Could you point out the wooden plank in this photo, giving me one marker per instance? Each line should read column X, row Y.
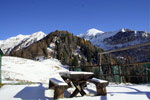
column 130, row 47
column 100, row 86
column 74, row 75
column 121, row 65
column 58, row 82
column 95, row 80
column 59, row 87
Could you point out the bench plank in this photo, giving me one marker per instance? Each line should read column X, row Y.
column 100, row 85
column 58, row 82
column 59, row 87
column 98, row 80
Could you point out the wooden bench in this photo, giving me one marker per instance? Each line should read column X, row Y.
column 59, row 87
column 100, row 86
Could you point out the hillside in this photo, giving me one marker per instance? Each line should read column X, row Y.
column 25, row 70
column 66, row 47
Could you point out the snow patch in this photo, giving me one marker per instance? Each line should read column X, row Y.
column 19, row 69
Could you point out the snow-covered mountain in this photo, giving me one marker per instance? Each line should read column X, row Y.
column 62, row 45
column 20, row 41
column 116, row 39
column 10, row 43
column 91, row 33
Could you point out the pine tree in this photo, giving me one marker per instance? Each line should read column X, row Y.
column 83, row 64
column 75, row 61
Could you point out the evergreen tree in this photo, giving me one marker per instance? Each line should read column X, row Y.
column 83, row 64
column 75, row 61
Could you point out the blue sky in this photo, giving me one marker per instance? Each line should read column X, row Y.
column 76, row 16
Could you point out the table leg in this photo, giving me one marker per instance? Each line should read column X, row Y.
column 81, row 86
column 79, row 89
column 74, row 93
column 68, row 81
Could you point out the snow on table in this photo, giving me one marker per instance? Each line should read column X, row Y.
column 68, row 73
column 76, row 75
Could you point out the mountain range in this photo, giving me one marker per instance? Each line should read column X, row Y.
column 62, row 45
column 70, row 49
column 116, row 39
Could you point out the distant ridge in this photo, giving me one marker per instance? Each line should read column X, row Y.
column 116, row 39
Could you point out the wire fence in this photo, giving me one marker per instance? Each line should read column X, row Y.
column 131, row 64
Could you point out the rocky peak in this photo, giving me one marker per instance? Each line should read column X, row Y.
column 20, row 41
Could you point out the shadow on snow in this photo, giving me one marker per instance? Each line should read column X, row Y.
column 147, row 93
column 33, row 93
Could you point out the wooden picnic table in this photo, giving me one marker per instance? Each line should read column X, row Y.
column 78, row 79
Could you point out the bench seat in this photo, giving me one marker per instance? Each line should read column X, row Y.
column 59, row 87
column 100, row 85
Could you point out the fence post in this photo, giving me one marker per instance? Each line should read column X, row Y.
column 100, row 65
column 0, row 69
column 119, row 74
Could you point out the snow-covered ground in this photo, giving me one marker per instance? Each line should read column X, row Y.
column 18, row 75
column 41, row 92
column 25, row 70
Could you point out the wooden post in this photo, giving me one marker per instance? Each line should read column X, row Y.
column 119, row 74
column 100, row 65
column 59, row 92
column 111, row 72
column 0, row 68
column 101, row 90
column 1, row 54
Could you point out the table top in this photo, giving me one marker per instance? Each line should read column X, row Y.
column 77, row 75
